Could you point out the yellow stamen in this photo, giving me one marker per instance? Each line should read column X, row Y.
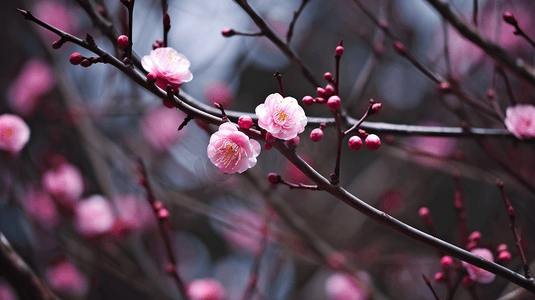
column 227, row 152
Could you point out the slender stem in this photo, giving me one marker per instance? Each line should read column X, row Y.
column 337, row 78
column 459, row 208
column 299, row 186
column 166, row 23
column 430, row 287
column 130, row 7
column 512, row 219
column 335, row 176
column 290, row 33
column 508, row 86
column 279, row 80
column 163, row 226
column 474, row 14
column 446, row 49
column 515, row 64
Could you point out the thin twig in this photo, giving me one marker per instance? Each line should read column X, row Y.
column 474, row 14
column 430, row 287
column 512, row 219
column 508, row 86
column 290, row 33
column 459, row 207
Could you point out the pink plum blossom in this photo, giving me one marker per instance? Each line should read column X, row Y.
column 231, row 150
column 134, row 212
column 159, row 127
column 65, row 182
column 520, row 120
column 94, row 216
column 169, row 66
column 65, row 278
column 340, row 287
column 245, row 235
column 206, row 289
column 14, row 133
column 35, row 80
column 6, row 292
column 477, row 274
column 282, row 117
column 41, row 207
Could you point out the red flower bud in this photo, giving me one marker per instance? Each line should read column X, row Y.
column 329, row 90
column 334, row 103
column 446, row 262
column 328, row 76
column 227, row 32
column 166, row 20
column 475, row 236
column 245, row 122
column 316, row 135
column 122, row 41
column 509, row 18
column 400, row 48
column 76, row 58
column 505, row 257
column 373, row 142
column 339, row 51
column 273, row 178
column 320, row 91
column 308, row 100
column 355, row 143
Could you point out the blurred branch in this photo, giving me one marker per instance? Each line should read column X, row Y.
column 21, row 276
column 515, row 64
column 294, row 20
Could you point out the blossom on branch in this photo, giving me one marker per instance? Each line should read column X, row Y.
column 520, row 120
column 169, row 66
column 231, row 150
column 477, row 274
column 14, row 133
column 282, row 117
column 206, row 289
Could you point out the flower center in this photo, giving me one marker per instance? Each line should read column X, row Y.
column 280, row 117
column 8, row 133
column 527, row 123
column 228, row 152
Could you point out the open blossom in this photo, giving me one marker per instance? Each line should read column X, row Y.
column 206, row 289
column 476, row 273
column 65, row 278
column 282, row 117
column 14, row 133
column 520, row 120
column 231, row 150
column 169, row 66
column 94, row 216
column 41, row 207
column 66, row 183
column 341, row 287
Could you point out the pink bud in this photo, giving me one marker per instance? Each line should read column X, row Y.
column 56, row 45
column 373, row 142
column 509, row 18
column 339, row 51
column 151, row 77
column 424, row 213
column 320, row 91
column 158, row 205
column 505, row 257
column 467, row 281
column 163, row 214
column 273, row 178
column 328, row 76
column 439, row 277
column 167, row 103
column 267, row 146
column 355, row 143
column 400, row 48
column 76, row 58
column 471, row 245
column 329, row 90
column 446, row 262
column 166, row 20
column 316, row 135
column 122, row 41
column 308, row 100
column 444, row 87
column 227, row 32
column 376, row 107
column 245, row 122
column 334, row 104
column 475, row 236
column 296, row 140
column 85, row 63
column 320, row 100
column 206, row 289
column 501, row 247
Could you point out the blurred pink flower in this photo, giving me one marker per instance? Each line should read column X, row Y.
column 219, row 92
column 6, row 292
column 94, row 216
column 65, row 278
column 294, row 174
column 434, row 146
column 245, row 235
column 14, row 133
column 282, row 117
column 35, row 80
column 520, row 120
column 231, row 150
column 159, row 127
column 206, row 289
column 65, row 183
column 169, row 66
column 477, row 274
column 57, row 14
column 134, row 212
column 340, row 287
column 41, row 207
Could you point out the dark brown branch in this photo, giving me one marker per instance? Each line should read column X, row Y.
column 474, row 13
column 273, row 37
column 512, row 219
column 515, row 64
column 21, row 276
column 294, row 20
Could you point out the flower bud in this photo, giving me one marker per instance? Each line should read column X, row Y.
column 169, row 269
column 308, row 100
column 475, row 236
column 328, row 76
column 76, row 58
column 424, row 213
column 320, row 100
column 166, row 20
column 501, row 247
column 444, row 87
column 491, row 94
column 446, row 262
column 267, row 146
column 245, row 122
column 167, row 104
column 316, row 135
column 151, row 77
column 163, row 214
column 376, row 107
column 273, row 178
column 509, row 18
column 329, row 90
column 296, row 140
column 56, row 45
column 334, row 103
column 122, row 42
column 400, row 48
column 339, row 51
column 505, row 257
column 439, row 277
column 355, row 143
column 85, row 63
column 373, row 142
column 227, row 32
column 320, row 91
column 270, row 138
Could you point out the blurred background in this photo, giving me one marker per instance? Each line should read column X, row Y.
column 71, row 205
